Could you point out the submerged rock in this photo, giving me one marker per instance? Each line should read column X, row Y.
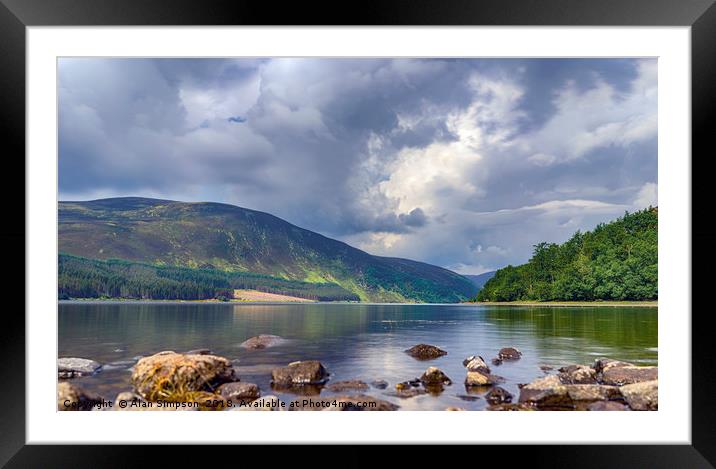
column 379, row 384
column 237, row 392
column 496, row 361
column 406, row 392
column 509, row 353
column 434, row 376
column 577, row 374
column 349, row 385
column 75, row 367
column 300, row 373
column 199, row 351
column 179, row 377
column 454, row 409
column 71, row 397
column 642, row 396
column 621, row 375
column 425, row 352
column 498, row 395
column 510, row 407
column 261, row 341
column 476, row 363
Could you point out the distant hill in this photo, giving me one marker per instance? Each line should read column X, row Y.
column 481, row 279
column 226, row 238
column 615, row 261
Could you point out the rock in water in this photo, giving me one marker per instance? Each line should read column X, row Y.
column 261, row 341
column 379, row 384
column 550, row 393
column 509, row 353
column 350, row 385
column 300, row 373
column 577, row 374
column 71, row 397
column 642, row 396
column 498, row 395
column 621, row 375
column 601, row 364
column 425, row 352
column 173, row 376
column 476, row 363
column 477, row 378
column 434, row 376
column 75, row 367
column 607, row 406
column 237, row 392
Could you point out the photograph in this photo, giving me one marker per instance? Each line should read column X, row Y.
column 402, row 233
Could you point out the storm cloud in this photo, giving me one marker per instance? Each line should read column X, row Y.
column 463, row 163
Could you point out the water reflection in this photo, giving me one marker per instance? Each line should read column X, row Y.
column 357, row 341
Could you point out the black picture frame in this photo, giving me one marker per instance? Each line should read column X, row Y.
column 700, row 15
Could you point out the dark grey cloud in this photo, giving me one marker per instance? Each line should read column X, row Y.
column 464, row 163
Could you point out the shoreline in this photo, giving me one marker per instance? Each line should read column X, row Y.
column 533, row 304
column 570, row 304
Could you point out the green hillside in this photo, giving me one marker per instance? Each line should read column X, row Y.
column 90, row 278
column 615, row 261
column 226, row 238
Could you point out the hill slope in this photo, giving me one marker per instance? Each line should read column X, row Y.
column 615, row 261
column 481, row 279
column 233, row 239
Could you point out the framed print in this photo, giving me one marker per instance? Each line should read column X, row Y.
column 448, row 214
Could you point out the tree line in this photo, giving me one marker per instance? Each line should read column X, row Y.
column 81, row 277
column 615, row 261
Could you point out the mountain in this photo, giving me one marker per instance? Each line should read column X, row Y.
column 615, row 261
column 220, row 237
column 481, row 279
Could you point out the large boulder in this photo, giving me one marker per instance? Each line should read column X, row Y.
column 309, row 372
column 71, row 397
column 348, row 385
column 642, row 396
column 178, row 377
column 509, row 353
column 261, row 341
column 434, row 376
column 550, row 392
column 621, row 375
column 476, row 363
column 71, row 367
column 577, row 374
column 425, row 352
column 237, row 392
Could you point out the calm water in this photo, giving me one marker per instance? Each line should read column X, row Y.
column 356, row 341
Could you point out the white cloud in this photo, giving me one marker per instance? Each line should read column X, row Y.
column 647, row 196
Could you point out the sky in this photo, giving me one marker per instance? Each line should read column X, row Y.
column 462, row 163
